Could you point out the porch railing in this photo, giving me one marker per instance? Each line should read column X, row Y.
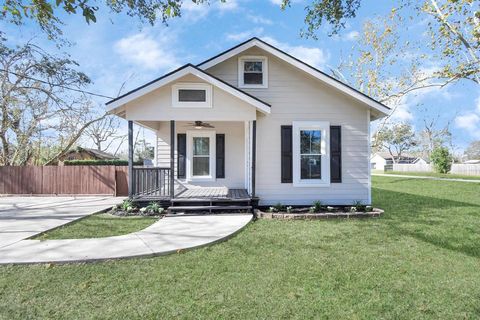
column 151, row 182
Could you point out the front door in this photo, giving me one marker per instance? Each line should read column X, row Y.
column 201, row 155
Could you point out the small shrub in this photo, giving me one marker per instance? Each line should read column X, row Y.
column 358, row 205
column 353, row 209
column 330, row 209
column 368, row 208
column 272, row 209
column 289, row 209
column 318, row 206
column 442, row 160
column 154, row 207
column 127, row 203
column 279, row 207
column 311, row 210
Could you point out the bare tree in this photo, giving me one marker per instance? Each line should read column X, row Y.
column 41, row 100
column 105, row 132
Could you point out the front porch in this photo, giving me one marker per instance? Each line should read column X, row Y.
column 171, row 185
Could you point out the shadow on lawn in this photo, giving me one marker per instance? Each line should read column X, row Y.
column 447, row 224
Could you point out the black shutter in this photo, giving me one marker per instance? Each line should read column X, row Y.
column 335, row 154
column 182, row 155
column 220, row 155
column 286, row 154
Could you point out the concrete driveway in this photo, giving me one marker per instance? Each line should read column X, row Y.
column 24, row 217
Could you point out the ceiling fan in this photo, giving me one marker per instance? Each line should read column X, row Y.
column 200, row 125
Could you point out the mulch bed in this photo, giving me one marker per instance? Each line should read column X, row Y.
column 321, row 215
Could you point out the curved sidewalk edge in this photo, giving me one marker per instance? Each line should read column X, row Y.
column 165, row 236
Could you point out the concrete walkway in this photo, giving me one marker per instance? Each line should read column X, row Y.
column 24, row 217
column 424, row 177
column 168, row 235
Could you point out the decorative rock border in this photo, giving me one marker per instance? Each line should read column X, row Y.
column 322, row 215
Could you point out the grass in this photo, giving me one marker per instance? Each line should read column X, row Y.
column 433, row 174
column 97, row 226
column 420, row 260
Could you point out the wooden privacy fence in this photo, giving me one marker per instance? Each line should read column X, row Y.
column 64, row 180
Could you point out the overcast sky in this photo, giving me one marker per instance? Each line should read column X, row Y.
column 119, row 48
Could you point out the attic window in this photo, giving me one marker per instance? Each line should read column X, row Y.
column 192, row 95
column 253, row 72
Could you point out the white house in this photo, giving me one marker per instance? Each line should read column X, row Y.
column 380, row 159
column 254, row 122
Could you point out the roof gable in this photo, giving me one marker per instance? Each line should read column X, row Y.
column 378, row 107
column 177, row 74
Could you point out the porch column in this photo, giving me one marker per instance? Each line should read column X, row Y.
column 172, row 159
column 254, row 154
column 130, row 158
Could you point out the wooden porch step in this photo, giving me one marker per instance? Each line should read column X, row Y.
column 175, row 200
column 205, row 208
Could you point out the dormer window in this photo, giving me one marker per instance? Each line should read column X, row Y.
column 253, row 72
column 192, row 95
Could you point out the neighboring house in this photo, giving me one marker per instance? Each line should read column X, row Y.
column 80, row 153
column 380, row 159
column 257, row 119
column 472, row 161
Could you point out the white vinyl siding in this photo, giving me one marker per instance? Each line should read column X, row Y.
column 296, row 96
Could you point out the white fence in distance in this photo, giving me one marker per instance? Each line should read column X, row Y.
column 457, row 168
column 466, row 169
column 417, row 167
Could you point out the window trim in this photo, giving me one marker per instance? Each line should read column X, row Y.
column 324, row 127
column 212, row 163
column 242, row 60
column 191, row 104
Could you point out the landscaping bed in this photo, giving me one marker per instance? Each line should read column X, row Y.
column 318, row 211
column 130, row 208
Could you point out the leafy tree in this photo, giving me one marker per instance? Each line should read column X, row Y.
column 46, row 13
column 454, row 36
column 397, row 139
column 473, row 150
column 441, row 159
column 334, row 12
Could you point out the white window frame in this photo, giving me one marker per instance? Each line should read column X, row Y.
column 191, row 104
column 241, row 62
column 324, row 127
column 189, row 167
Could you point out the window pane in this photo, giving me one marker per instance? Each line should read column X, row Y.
column 310, row 142
column 201, row 166
column 191, row 95
column 310, row 167
column 201, row 146
column 253, row 78
column 252, row 66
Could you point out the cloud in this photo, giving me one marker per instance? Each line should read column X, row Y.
column 311, row 55
column 145, row 51
column 228, row 5
column 351, row 36
column 244, row 34
column 193, row 12
column 470, row 121
column 259, row 19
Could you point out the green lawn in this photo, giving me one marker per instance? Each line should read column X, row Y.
column 421, row 260
column 97, row 226
column 432, row 174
